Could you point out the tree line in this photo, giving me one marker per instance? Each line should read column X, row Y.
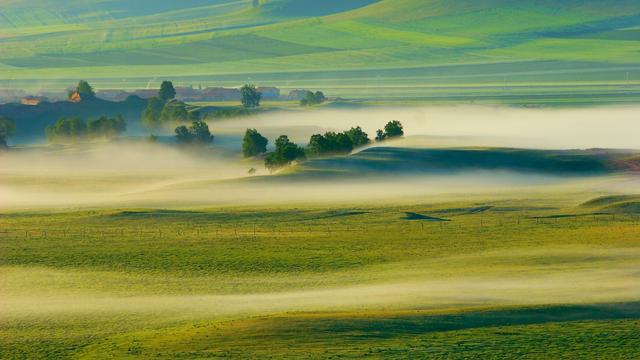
column 75, row 129
column 329, row 143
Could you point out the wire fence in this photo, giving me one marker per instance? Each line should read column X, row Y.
column 309, row 228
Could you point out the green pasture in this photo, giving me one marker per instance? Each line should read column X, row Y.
column 365, row 49
column 541, row 276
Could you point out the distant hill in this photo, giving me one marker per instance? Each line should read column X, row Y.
column 367, row 48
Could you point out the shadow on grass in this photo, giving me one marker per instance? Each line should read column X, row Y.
column 392, row 326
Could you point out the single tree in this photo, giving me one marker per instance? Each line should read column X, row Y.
column 393, row 129
column 7, row 130
column 85, row 90
column 167, row 91
column 253, row 143
column 151, row 114
column 201, row 133
column 250, row 96
column 380, row 135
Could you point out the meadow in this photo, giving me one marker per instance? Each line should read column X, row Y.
column 541, row 276
column 493, row 51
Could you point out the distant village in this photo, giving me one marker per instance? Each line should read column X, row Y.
column 189, row 94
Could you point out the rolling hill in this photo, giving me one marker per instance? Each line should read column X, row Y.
column 361, row 48
column 381, row 161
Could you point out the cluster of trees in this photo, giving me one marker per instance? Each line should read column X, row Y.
column 75, row 129
column 313, row 98
column 7, row 130
column 254, row 144
column 393, row 129
column 196, row 134
column 165, row 108
column 286, row 152
column 329, row 143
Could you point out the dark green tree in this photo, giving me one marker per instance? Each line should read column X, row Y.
column 7, row 130
column 393, row 129
column 183, row 135
column 332, row 143
column 201, row 133
column 167, row 91
column 380, row 135
column 196, row 134
column 151, row 114
column 175, row 111
column 313, row 98
column 358, row 137
column 286, row 152
column 250, row 96
column 85, row 90
column 107, row 128
column 253, row 143
column 67, row 130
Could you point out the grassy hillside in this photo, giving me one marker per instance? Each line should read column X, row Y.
column 363, row 48
column 529, row 275
column 382, row 161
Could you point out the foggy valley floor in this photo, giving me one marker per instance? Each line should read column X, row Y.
column 411, row 279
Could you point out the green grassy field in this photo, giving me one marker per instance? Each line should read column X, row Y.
column 535, row 275
column 364, row 49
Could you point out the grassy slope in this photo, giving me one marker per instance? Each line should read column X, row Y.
column 138, row 261
column 394, row 160
column 205, row 43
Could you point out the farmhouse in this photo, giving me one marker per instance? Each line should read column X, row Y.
column 75, row 97
column 33, row 100
column 269, row 92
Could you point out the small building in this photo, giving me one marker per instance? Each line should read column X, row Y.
column 75, row 97
column 221, row 94
column 33, row 100
column 269, row 92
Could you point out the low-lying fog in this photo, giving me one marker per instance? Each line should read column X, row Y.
column 128, row 173
column 592, row 127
